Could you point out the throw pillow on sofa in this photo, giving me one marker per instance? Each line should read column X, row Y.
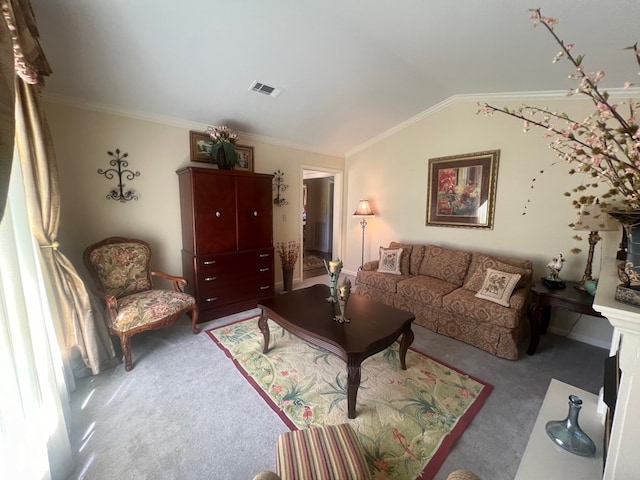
column 481, row 263
column 498, row 286
column 390, row 260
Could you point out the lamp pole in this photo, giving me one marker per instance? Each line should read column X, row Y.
column 363, row 222
column 363, row 211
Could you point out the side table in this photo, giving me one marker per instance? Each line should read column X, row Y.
column 539, row 311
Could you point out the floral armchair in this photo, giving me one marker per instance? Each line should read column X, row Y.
column 120, row 269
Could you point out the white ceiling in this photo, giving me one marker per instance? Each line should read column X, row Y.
column 351, row 69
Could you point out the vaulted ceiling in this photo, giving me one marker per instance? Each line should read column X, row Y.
column 350, row 69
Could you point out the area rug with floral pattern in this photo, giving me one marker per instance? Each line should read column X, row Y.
column 406, row 420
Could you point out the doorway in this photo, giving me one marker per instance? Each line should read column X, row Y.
column 318, row 221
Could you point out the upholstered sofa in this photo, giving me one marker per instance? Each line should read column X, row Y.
column 440, row 286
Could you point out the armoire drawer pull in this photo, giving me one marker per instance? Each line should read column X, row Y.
column 265, row 287
column 209, row 262
column 255, row 213
column 265, row 269
column 263, row 255
column 209, row 279
column 212, row 299
column 218, row 214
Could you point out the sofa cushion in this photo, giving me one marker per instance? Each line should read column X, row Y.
column 464, row 303
column 390, row 260
column 481, row 262
column 498, row 286
column 405, row 266
column 445, row 264
column 417, row 255
column 382, row 282
column 427, row 290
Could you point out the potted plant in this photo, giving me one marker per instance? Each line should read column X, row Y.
column 223, row 149
column 288, row 252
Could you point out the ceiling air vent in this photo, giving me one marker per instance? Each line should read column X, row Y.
column 265, row 89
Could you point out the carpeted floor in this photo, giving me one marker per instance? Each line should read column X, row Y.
column 406, row 420
column 185, row 412
column 312, row 264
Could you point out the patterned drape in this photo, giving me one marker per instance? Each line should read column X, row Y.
column 78, row 327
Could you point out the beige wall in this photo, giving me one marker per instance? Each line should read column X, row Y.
column 82, row 138
column 392, row 173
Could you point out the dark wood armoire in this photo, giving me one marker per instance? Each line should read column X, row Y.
column 227, row 239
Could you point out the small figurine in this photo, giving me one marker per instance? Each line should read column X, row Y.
column 553, row 279
column 554, row 266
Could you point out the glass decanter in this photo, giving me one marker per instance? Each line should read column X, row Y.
column 568, row 434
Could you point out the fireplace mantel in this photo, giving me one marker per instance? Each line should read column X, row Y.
column 622, row 456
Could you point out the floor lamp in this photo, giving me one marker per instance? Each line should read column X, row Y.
column 363, row 211
column 592, row 220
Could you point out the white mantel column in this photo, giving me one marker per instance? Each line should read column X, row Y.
column 623, row 457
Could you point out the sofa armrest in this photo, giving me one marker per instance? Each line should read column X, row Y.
column 518, row 299
column 371, row 265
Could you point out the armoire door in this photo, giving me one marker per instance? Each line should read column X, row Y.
column 215, row 213
column 255, row 213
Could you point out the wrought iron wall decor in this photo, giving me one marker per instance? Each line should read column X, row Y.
column 279, row 187
column 118, row 161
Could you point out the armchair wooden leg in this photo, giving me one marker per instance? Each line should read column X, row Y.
column 194, row 319
column 125, row 343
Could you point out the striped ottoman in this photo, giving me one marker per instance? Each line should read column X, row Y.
column 332, row 452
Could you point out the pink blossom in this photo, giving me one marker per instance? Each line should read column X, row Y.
column 627, row 84
column 464, row 392
column 549, row 21
column 569, row 46
column 599, row 76
column 596, row 161
column 381, row 464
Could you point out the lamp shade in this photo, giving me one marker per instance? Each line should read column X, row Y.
column 593, row 219
column 363, row 210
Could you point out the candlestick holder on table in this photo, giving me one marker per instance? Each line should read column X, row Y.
column 333, row 268
column 340, row 312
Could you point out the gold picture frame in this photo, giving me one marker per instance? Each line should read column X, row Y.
column 462, row 190
column 245, row 158
column 200, row 146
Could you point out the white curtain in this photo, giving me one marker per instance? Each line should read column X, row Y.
column 34, row 399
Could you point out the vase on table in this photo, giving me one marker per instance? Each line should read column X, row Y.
column 629, row 271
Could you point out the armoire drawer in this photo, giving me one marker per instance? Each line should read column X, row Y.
column 241, row 261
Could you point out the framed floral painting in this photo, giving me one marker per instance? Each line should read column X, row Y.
column 462, row 190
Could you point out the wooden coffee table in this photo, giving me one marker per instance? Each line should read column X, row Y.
column 373, row 327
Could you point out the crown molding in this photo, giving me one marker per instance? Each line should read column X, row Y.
column 454, row 99
column 174, row 122
column 485, row 98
